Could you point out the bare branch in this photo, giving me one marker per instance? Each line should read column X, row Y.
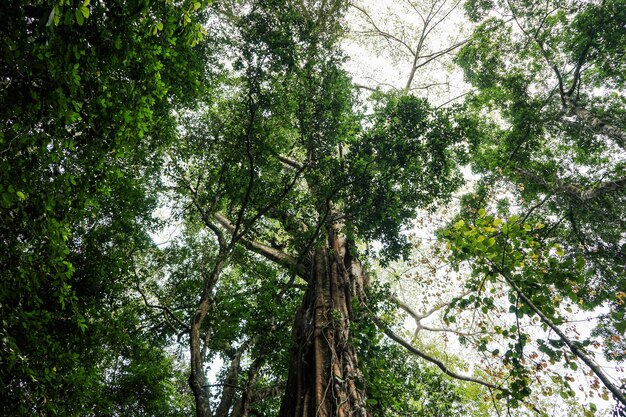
column 381, row 32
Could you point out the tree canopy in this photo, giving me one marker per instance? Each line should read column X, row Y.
column 202, row 213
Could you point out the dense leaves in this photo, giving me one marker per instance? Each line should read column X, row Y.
column 552, row 162
column 87, row 92
column 279, row 182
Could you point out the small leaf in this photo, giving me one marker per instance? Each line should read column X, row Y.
column 21, row 195
column 84, row 10
column 80, row 19
column 51, row 17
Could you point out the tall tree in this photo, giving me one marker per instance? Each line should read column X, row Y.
column 87, row 93
column 552, row 76
column 292, row 175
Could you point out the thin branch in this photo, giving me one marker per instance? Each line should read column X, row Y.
column 381, row 32
column 165, row 309
column 430, row 359
column 573, row 346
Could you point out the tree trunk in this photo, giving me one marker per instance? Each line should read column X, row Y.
column 323, row 374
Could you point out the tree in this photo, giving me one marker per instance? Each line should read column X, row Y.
column 281, row 182
column 87, row 94
column 415, row 40
column 552, row 73
column 289, row 174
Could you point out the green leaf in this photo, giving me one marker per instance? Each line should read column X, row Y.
column 80, row 18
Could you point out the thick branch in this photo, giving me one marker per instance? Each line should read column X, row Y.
column 266, row 251
column 583, row 195
column 599, row 125
column 290, row 162
column 228, row 393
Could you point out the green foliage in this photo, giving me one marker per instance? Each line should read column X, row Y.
column 407, row 159
column 553, row 80
column 87, row 95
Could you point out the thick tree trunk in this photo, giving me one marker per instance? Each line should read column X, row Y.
column 324, row 375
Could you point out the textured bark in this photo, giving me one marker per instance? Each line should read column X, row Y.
column 323, row 375
column 230, row 384
column 197, row 378
column 599, row 125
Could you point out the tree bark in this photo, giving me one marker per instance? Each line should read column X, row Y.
column 599, row 125
column 324, row 375
column 197, row 378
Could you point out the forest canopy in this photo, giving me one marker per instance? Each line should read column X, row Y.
column 217, row 208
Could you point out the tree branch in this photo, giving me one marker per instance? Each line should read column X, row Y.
column 381, row 32
column 266, row 251
column 440, row 364
column 393, row 336
column 292, row 163
column 583, row 195
column 573, row 346
column 165, row 309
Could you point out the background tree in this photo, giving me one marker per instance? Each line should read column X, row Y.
column 87, row 93
column 550, row 75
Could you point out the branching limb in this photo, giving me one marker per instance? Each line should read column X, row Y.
column 569, row 189
column 292, row 163
column 273, row 254
column 381, row 32
column 165, row 309
column 393, row 336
